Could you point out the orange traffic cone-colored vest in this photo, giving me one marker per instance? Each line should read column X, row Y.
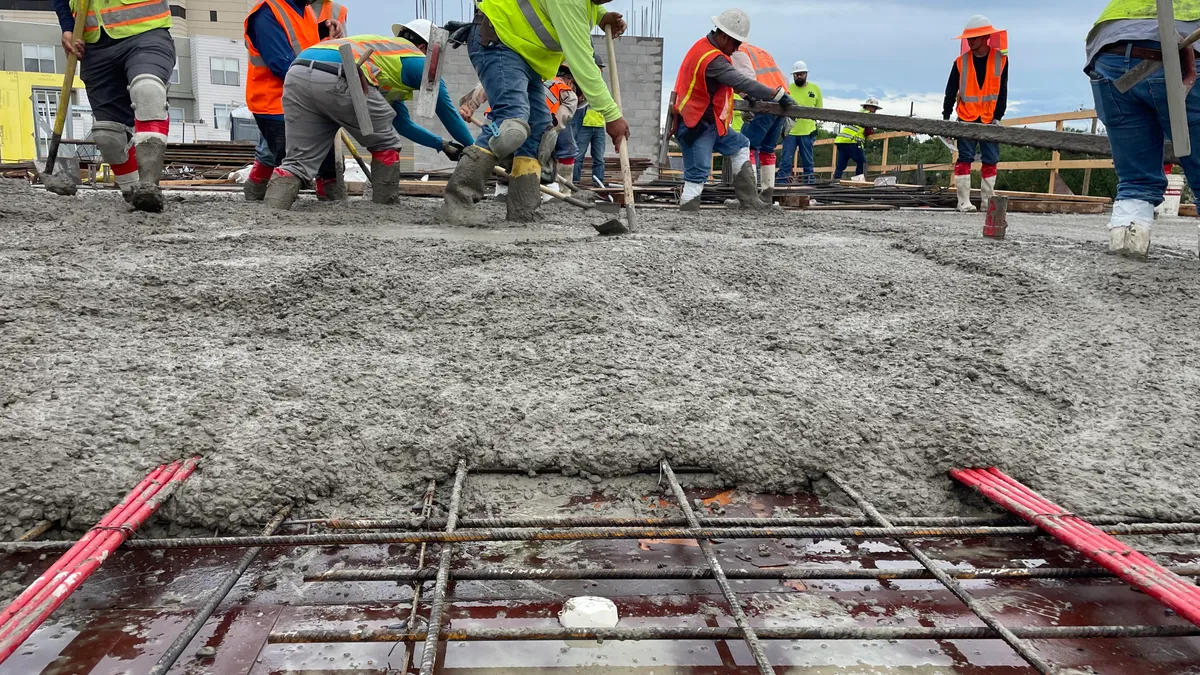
column 975, row 102
column 766, row 71
column 692, row 97
column 332, row 10
column 264, row 91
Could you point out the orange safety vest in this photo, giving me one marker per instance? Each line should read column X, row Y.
column 766, row 71
column 554, row 90
column 975, row 102
column 327, row 11
column 692, row 97
column 264, row 91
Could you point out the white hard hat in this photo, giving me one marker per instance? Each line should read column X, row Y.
column 872, row 103
column 422, row 27
column 735, row 23
column 977, row 26
column 799, row 67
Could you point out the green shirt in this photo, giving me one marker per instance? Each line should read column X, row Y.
column 808, row 96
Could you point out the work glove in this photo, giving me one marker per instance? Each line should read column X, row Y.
column 453, row 150
column 787, row 103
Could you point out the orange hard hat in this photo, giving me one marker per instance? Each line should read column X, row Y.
column 977, row 26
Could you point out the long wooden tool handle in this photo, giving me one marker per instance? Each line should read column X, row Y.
column 623, row 149
column 64, row 95
column 502, row 174
column 354, row 152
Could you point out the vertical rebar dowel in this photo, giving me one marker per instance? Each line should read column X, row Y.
column 1019, row 646
column 205, row 613
column 426, row 508
column 433, row 629
column 735, row 607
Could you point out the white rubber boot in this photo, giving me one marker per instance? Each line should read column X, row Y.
column 1116, row 239
column 963, row 185
column 1133, row 218
column 987, row 190
column 689, row 201
column 766, row 183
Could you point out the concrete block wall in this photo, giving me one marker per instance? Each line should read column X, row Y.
column 640, row 61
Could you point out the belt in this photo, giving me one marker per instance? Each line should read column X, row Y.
column 1143, row 53
column 323, row 66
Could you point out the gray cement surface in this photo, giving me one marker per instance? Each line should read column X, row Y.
column 344, row 354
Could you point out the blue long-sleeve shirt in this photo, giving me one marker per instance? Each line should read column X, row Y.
column 269, row 38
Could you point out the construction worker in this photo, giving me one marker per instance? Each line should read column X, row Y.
column 332, row 15
column 1137, row 121
column 803, row 132
column 317, row 104
column 849, row 143
column 276, row 31
column 514, row 46
column 126, row 56
column 704, row 92
column 563, row 102
column 762, row 130
column 589, row 137
column 978, row 91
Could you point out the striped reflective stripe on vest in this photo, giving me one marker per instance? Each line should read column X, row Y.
column 535, row 22
column 288, row 28
column 121, row 15
column 967, row 64
column 702, row 63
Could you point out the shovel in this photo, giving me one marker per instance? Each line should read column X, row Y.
column 64, row 185
column 354, row 152
column 626, row 174
column 607, row 228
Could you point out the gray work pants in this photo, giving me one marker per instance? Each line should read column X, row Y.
column 315, row 105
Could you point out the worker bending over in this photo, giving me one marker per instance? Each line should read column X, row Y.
column 317, row 104
column 1138, row 120
column 760, row 129
column 276, row 31
column 126, row 56
column 704, row 91
column 850, row 141
column 803, row 133
column 978, row 91
column 514, row 46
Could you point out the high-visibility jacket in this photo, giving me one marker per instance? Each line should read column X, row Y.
column 692, row 97
column 1185, row 10
column 808, row 96
column 554, row 90
column 766, row 71
column 593, row 118
column 852, row 133
column 383, row 70
column 122, row 20
column 975, row 102
column 524, row 26
column 264, row 89
column 332, row 10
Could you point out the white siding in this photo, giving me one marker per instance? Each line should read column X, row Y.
column 203, row 48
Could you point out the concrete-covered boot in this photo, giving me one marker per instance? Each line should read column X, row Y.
column 1129, row 227
column 766, row 180
column 689, row 201
column 745, row 186
column 524, row 195
column 385, row 176
column 987, row 190
column 255, row 187
column 565, row 172
column 331, row 189
column 283, row 190
column 466, row 186
column 147, row 195
column 1117, row 237
column 1137, row 243
column 962, row 184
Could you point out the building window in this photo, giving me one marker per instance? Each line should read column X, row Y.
column 175, row 115
column 45, row 106
column 174, row 74
column 212, row 15
column 224, row 70
column 38, row 58
column 220, row 116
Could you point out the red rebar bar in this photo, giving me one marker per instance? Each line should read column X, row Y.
column 1106, row 550
column 27, row 617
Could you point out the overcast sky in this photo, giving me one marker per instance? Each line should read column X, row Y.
column 899, row 51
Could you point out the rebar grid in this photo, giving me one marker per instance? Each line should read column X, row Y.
column 433, row 628
column 426, row 509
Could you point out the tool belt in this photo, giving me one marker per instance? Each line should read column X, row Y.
column 331, row 68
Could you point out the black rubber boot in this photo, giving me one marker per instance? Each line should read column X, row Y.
column 466, row 187
column 692, row 206
column 336, row 191
column 282, row 192
column 147, row 196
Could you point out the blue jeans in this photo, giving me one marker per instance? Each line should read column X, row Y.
column 989, row 153
column 699, row 144
column 596, row 139
column 805, row 145
column 1137, row 122
column 514, row 90
column 847, row 152
column 763, row 132
column 565, row 149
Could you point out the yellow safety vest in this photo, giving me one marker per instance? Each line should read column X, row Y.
column 738, row 121
column 524, row 27
column 852, row 133
column 122, row 20
column 593, row 118
column 1185, row 10
column 384, row 68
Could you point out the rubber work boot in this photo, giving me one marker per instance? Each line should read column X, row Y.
column 283, row 190
column 509, row 137
column 255, row 187
column 331, row 190
column 745, row 186
column 524, row 197
column 466, row 186
column 690, row 206
column 1116, row 239
column 1137, row 242
column 147, row 195
column 987, row 190
column 962, row 184
column 385, row 176
column 565, row 172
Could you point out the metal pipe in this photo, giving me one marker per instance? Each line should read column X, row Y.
column 690, row 573
column 710, row 556
column 585, row 534
column 733, row 633
column 1018, row 644
column 218, row 596
column 434, row 627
